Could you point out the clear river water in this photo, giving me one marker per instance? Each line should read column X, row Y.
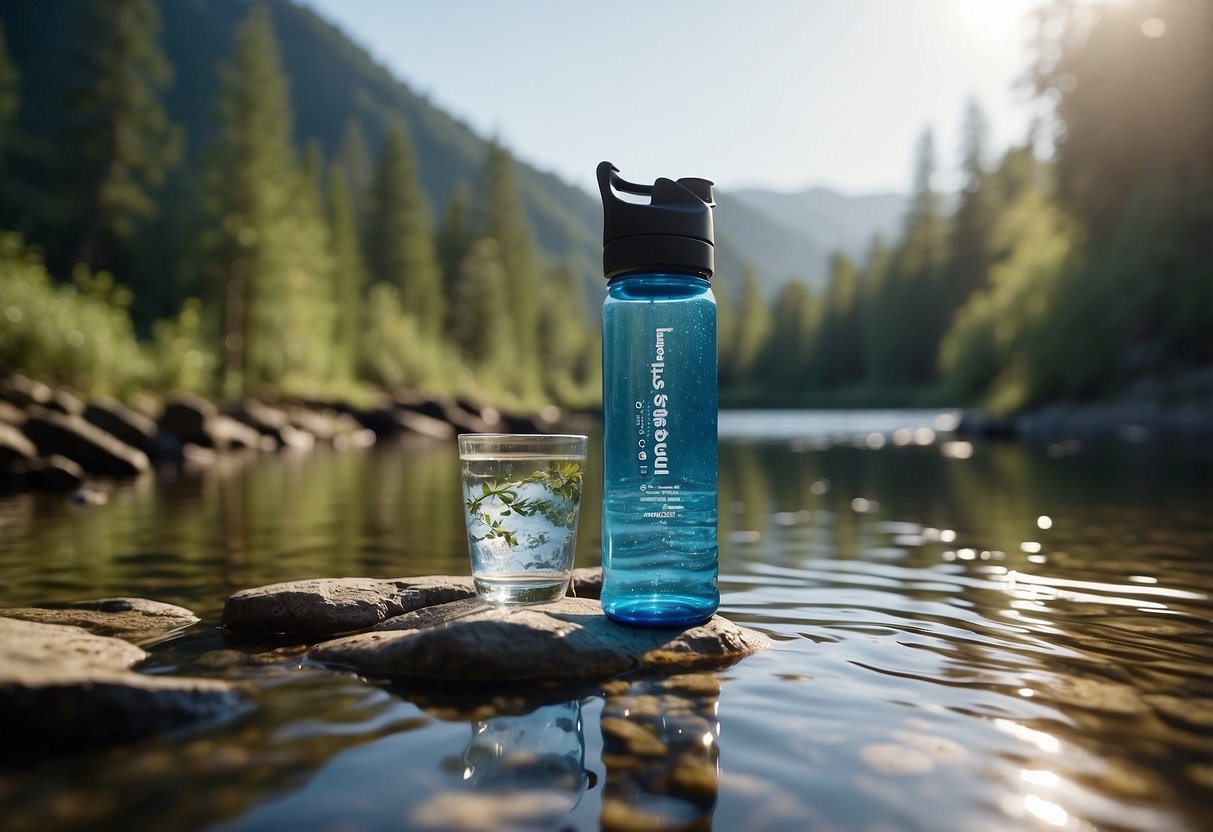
column 966, row 636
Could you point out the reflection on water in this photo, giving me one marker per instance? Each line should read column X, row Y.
column 977, row 637
column 660, row 752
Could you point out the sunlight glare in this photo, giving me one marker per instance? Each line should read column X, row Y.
column 1050, row 813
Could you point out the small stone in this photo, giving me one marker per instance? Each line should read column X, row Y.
column 88, row 497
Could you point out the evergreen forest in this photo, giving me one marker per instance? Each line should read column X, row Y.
column 250, row 236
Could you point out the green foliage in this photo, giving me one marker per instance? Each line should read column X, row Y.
column 560, row 479
column 753, row 329
column 564, row 337
column 400, row 240
column 455, row 236
column 1003, row 344
column 836, row 357
column 1130, row 107
column 77, row 334
column 265, row 246
column 504, row 221
column 393, row 352
column 122, row 135
column 354, row 164
column 481, row 328
column 181, row 352
column 795, row 318
column 349, row 275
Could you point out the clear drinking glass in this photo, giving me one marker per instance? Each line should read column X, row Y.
column 521, row 500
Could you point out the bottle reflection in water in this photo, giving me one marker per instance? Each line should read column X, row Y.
column 659, row 747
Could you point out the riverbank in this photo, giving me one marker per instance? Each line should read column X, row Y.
column 1153, row 408
column 52, row 439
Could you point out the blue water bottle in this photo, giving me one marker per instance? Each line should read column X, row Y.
column 659, row 400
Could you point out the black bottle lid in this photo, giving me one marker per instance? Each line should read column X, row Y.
column 672, row 232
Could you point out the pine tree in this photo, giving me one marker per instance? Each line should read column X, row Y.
column 10, row 96
column 504, row 220
column 483, row 333
column 265, row 247
column 753, row 328
column 563, row 334
column 913, row 315
column 970, row 251
column 349, row 274
column 837, row 359
column 10, row 101
column 123, row 138
column 454, row 240
column 312, row 166
column 794, row 317
column 400, row 241
column 354, row 162
column 874, row 311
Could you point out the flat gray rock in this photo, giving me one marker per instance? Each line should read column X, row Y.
column 62, row 688
column 337, row 606
column 469, row 640
column 137, row 620
column 330, row 606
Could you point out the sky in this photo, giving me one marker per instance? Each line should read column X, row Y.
column 778, row 94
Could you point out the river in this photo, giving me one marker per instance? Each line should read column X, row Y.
column 995, row 636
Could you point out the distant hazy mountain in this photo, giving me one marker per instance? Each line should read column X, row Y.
column 819, row 221
column 333, row 79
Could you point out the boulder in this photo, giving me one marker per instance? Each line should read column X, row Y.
column 64, row 401
column 227, row 434
column 22, row 391
column 10, row 414
column 14, row 447
column 136, row 620
column 196, row 421
column 125, row 424
column 329, row 606
column 62, row 688
column 187, row 417
column 52, row 473
column 96, row 451
column 422, row 425
column 442, row 408
column 471, row 641
column 265, row 419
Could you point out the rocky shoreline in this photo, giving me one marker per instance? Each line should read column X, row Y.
column 1152, row 409
column 51, row 439
column 69, row 675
